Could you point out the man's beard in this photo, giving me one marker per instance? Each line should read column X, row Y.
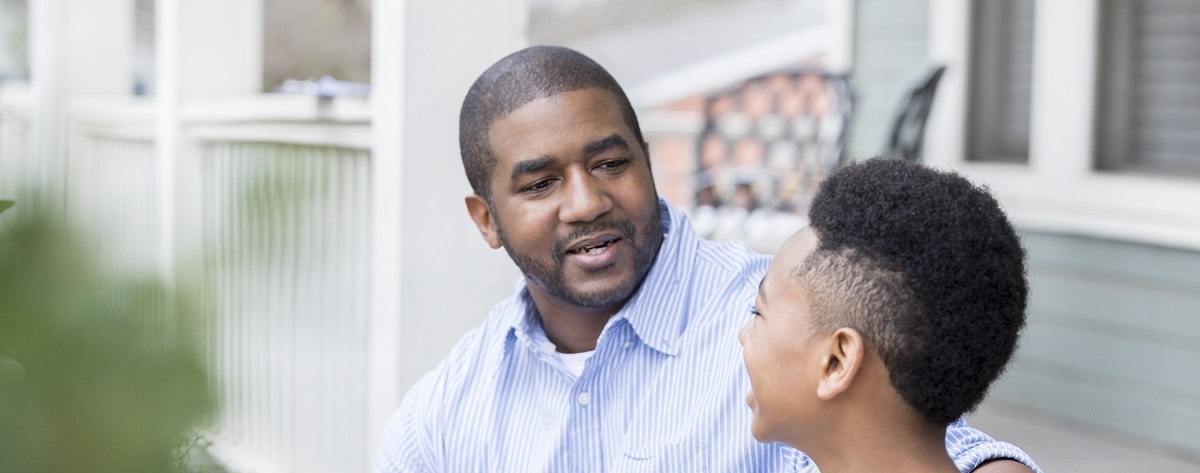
column 550, row 277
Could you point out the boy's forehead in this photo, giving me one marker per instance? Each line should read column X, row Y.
column 789, row 258
column 796, row 249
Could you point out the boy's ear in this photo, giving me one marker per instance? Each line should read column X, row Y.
column 840, row 362
column 481, row 214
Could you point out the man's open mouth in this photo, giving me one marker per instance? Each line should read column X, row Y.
column 594, row 249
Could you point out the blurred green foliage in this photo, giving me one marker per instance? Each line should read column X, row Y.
column 96, row 374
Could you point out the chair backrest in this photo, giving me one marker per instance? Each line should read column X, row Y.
column 908, row 127
column 769, row 140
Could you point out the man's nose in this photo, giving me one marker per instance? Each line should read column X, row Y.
column 585, row 199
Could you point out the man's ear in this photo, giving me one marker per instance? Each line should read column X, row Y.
column 481, row 213
column 841, row 360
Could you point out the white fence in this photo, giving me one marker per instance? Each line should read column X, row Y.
column 112, row 185
column 274, row 196
column 286, row 228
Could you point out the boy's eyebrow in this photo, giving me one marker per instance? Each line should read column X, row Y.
column 761, row 295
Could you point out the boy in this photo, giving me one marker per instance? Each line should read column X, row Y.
column 885, row 320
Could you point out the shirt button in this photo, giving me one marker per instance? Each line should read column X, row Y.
column 627, row 344
column 584, row 399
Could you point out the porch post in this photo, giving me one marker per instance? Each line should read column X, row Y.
column 203, row 49
column 76, row 47
column 433, row 277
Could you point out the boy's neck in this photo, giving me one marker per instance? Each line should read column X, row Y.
column 884, row 443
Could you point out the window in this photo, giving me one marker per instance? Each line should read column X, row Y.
column 308, row 39
column 1001, row 77
column 1149, row 90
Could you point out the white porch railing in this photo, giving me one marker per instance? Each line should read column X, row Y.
column 275, row 194
column 282, row 192
column 112, row 185
column 287, row 230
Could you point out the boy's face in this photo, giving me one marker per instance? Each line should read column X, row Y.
column 781, row 350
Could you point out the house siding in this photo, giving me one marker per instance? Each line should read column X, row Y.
column 1113, row 337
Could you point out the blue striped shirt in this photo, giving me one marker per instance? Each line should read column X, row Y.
column 664, row 390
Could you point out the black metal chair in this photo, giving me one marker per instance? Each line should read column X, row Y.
column 908, row 127
column 769, row 140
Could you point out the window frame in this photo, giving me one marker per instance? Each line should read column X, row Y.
column 1060, row 190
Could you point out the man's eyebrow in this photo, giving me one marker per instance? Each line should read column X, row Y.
column 531, row 166
column 604, row 144
column 761, row 295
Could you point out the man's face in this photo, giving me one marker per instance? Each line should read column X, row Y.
column 573, row 201
column 778, row 346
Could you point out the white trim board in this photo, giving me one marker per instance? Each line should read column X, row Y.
column 1059, row 190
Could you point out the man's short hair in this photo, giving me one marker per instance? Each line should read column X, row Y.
column 928, row 269
column 522, row 77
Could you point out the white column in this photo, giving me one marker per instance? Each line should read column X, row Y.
column 221, row 46
column 168, row 24
column 840, row 18
column 76, row 47
column 98, row 58
column 433, row 277
column 203, row 49
column 44, row 77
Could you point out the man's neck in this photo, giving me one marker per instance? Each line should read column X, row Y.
column 570, row 328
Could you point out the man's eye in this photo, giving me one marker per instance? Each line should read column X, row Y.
column 754, row 310
column 613, row 165
column 538, row 186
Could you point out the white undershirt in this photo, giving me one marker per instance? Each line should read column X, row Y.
column 575, row 361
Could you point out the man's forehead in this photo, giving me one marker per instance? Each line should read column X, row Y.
column 550, row 94
column 575, row 100
column 573, row 118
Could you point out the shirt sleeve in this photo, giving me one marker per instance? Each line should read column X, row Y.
column 407, row 445
column 969, row 448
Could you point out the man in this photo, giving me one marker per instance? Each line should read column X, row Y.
column 619, row 352
column 885, row 319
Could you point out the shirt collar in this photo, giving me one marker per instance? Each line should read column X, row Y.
column 656, row 311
